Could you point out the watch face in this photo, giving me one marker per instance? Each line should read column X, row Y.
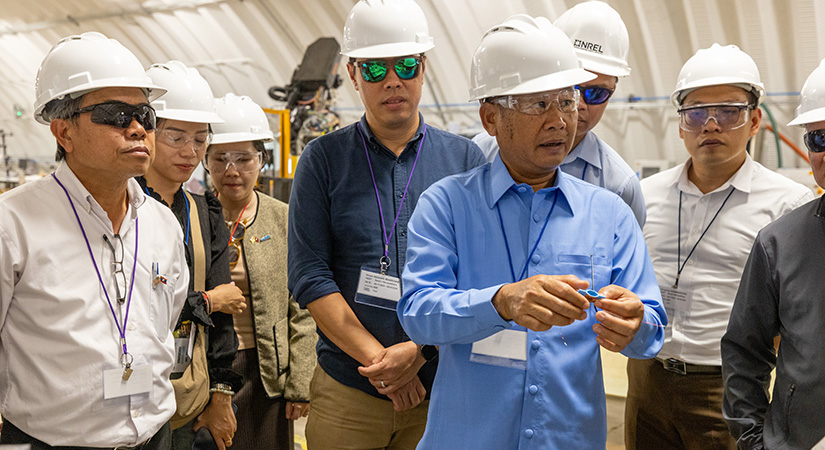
column 429, row 352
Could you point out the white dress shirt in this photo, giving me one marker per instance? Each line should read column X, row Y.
column 759, row 196
column 57, row 332
column 595, row 162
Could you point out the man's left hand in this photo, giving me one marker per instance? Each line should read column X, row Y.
column 620, row 316
column 394, row 367
column 219, row 418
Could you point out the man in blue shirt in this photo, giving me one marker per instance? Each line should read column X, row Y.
column 353, row 193
column 496, row 256
column 601, row 42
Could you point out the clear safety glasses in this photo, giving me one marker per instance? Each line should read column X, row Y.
column 566, row 100
column 375, row 71
column 595, row 95
column 815, row 141
column 178, row 139
column 729, row 116
column 243, row 162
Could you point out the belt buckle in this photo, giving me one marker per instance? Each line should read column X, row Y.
column 674, row 365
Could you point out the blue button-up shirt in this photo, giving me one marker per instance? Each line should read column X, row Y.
column 335, row 226
column 456, row 262
column 595, row 162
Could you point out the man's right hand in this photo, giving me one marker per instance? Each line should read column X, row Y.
column 227, row 298
column 542, row 301
column 408, row 396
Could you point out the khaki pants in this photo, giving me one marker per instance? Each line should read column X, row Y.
column 345, row 418
column 665, row 410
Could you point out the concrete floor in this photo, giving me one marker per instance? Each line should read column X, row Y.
column 615, row 426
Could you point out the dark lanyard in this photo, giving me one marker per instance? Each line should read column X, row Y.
column 584, row 171
column 507, row 244
column 385, row 260
column 126, row 358
column 679, row 243
column 186, row 200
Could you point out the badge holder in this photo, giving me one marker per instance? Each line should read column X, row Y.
column 377, row 289
column 507, row 348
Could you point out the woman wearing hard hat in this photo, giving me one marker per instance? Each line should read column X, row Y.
column 204, row 338
column 276, row 355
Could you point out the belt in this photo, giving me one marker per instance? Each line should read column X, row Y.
column 682, row 368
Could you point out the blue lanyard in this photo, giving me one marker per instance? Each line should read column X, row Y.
column 679, row 243
column 385, row 260
column 186, row 200
column 584, row 171
column 507, row 244
column 120, row 328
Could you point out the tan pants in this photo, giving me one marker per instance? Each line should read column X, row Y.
column 665, row 410
column 345, row 418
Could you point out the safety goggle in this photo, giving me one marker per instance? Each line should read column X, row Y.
column 119, row 114
column 729, row 116
column 815, row 141
column 595, row 95
column 179, row 139
column 566, row 100
column 243, row 162
column 375, row 71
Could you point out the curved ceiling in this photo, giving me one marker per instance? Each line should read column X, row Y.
column 248, row 46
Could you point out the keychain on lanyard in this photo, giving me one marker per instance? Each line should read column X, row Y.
column 126, row 358
column 385, row 260
column 679, row 237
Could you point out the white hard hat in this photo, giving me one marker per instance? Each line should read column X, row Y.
column 243, row 119
column 599, row 36
column 524, row 55
column 716, row 66
column 80, row 64
column 812, row 100
column 188, row 96
column 386, row 28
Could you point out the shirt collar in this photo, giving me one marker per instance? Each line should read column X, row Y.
column 587, row 150
column 376, row 145
column 81, row 196
column 501, row 182
column 742, row 180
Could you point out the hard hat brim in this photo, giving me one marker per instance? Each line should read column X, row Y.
column 231, row 138
column 815, row 115
column 185, row 115
column 390, row 50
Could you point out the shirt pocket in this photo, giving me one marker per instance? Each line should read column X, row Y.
column 593, row 268
column 163, row 296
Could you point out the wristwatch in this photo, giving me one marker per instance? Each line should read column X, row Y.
column 429, row 352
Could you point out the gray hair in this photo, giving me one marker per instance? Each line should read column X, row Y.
column 61, row 108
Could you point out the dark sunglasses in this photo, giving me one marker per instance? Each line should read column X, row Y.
column 234, row 250
column 595, row 95
column 815, row 141
column 375, row 71
column 120, row 114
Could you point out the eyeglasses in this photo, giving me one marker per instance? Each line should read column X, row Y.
column 375, row 71
column 595, row 95
column 178, row 139
column 729, row 116
column 243, row 162
column 815, row 141
column 566, row 101
column 117, row 263
column 234, row 250
column 120, row 114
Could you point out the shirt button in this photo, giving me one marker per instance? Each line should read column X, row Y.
column 136, row 414
column 522, row 188
column 536, row 344
column 535, row 259
column 403, row 232
column 690, row 261
column 130, row 327
column 400, row 194
column 528, row 433
column 533, row 389
column 536, row 217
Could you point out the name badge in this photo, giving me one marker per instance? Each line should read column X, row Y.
column 378, row 290
column 183, row 353
column 507, row 348
column 139, row 382
column 677, row 305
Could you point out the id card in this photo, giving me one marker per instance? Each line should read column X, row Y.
column 378, row 290
column 140, row 382
column 677, row 304
column 184, row 344
column 507, row 348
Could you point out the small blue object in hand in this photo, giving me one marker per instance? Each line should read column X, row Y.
column 590, row 293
